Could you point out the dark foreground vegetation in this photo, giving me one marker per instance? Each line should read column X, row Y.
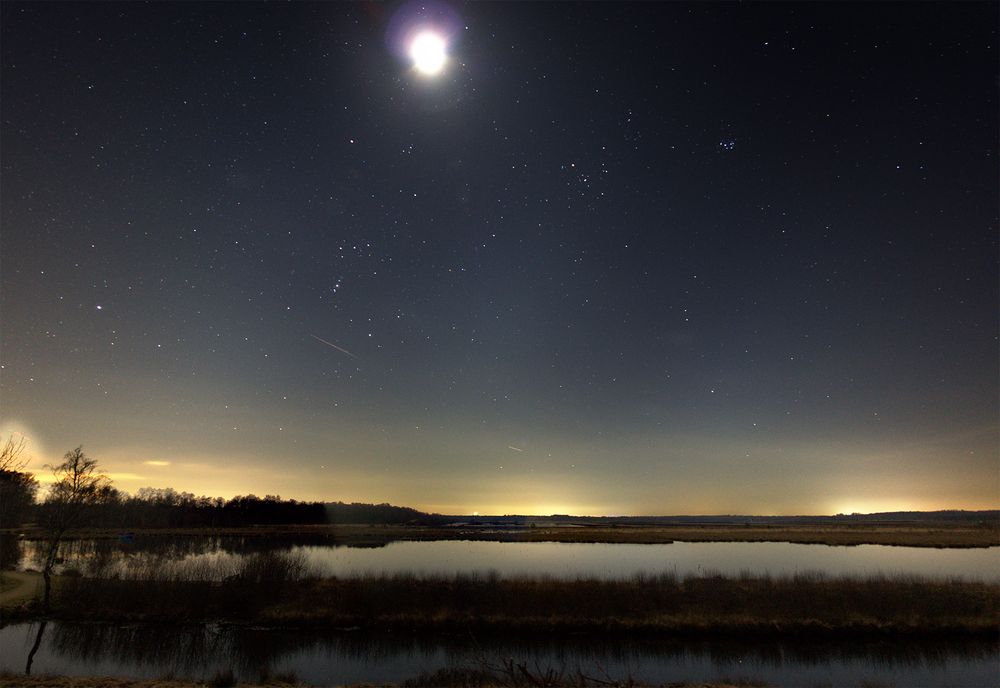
column 275, row 589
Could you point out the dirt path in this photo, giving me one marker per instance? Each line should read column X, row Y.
column 28, row 585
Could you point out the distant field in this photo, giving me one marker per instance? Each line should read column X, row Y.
column 911, row 535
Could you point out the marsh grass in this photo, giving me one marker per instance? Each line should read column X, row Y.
column 180, row 590
column 278, row 588
column 668, row 601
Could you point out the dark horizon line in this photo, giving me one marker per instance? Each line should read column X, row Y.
column 992, row 511
column 936, row 514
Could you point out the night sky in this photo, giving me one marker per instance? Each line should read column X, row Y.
column 612, row 259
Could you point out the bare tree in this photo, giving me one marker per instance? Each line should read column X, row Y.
column 78, row 485
column 12, row 450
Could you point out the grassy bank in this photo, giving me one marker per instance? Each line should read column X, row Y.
column 909, row 535
column 273, row 589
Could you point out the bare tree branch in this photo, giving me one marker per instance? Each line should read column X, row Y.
column 12, row 452
column 78, row 485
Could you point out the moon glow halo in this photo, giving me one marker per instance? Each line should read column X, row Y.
column 428, row 52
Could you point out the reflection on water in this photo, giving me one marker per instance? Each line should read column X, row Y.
column 562, row 560
column 10, row 552
column 170, row 547
column 110, row 555
column 326, row 658
column 39, row 634
column 599, row 560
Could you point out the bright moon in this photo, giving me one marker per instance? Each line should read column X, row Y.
column 428, row 53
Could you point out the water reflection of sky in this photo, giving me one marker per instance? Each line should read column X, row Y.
column 570, row 560
column 558, row 559
column 331, row 658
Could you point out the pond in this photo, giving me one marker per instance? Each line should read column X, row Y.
column 332, row 658
column 555, row 559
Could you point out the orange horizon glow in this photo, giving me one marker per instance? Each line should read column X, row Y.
column 585, row 490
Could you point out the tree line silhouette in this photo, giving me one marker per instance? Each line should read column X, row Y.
column 82, row 497
column 168, row 508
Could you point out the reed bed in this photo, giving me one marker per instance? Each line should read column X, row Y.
column 278, row 589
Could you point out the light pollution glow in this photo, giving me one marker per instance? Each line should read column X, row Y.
column 534, row 485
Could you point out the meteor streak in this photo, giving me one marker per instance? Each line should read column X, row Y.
column 338, row 348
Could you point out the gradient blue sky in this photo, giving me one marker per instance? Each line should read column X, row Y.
column 616, row 258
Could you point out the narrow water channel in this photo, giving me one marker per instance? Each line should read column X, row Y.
column 334, row 658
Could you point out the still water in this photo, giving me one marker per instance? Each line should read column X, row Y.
column 599, row 560
column 331, row 658
column 555, row 559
